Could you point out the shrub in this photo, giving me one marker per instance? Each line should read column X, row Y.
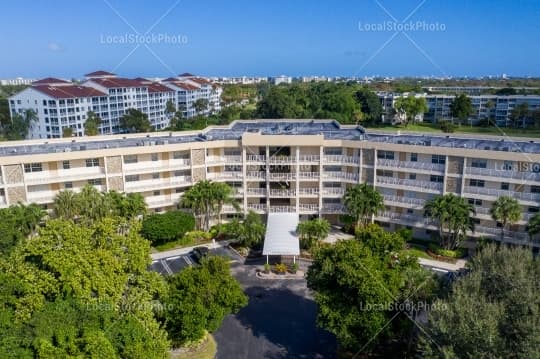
column 294, row 267
column 167, row 227
column 266, row 267
column 457, row 253
column 447, row 126
column 197, row 236
column 280, row 268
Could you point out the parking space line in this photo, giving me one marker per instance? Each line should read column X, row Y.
column 166, row 266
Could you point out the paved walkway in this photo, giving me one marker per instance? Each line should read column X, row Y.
column 186, row 250
column 460, row 263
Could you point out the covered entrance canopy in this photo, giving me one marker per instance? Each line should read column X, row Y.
column 281, row 238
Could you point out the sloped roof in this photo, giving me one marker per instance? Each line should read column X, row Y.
column 50, row 81
column 100, row 73
column 281, row 237
column 68, row 91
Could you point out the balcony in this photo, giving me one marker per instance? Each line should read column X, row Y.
column 347, row 176
column 282, row 159
column 159, row 201
column 256, row 175
column 73, row 174
column 224, row 175
column 495, row 193
column 285, row 176
column 256, row 159
column 333, row 208
column 256, row 207
column 401, row 217
column 495, row 233
column 329, row 191
column 406, row 201
column 228, row 208
column 309, row 175
column 282, row 209
column 211, row 160
column 309, row 158
column 341, row 159
column 483, row 211
column 155, row 184
column 282, row 193
column 416, row 185
column 256, row 191
column 308, row 208
column 423, row 166
column 525, row 176
column 41, row 197
column 156, row 166
column 305, row 192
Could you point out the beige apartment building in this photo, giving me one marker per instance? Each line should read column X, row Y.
column 299, row 166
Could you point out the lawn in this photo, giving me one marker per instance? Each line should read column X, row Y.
column 474, row 130
column 207, row 350
column 415, row 252
column 179, row 244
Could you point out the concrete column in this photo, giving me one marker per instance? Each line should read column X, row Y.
column 297, row 181
column 244, row 179
column 267, row 179
column 445, row 178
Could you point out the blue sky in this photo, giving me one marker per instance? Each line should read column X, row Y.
column 264, row 38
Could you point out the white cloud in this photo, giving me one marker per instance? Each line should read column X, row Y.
column 53, row 46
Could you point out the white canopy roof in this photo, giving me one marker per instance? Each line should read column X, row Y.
column 281, row 238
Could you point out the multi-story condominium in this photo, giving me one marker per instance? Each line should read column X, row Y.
column 470, row 90
column 300, row 166
column 16, row 81
column 281, row 80
column 494, row 107
column 60, row 104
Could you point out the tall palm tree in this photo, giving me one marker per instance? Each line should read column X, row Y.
column 223, row 194
column 195, row 200
column 363, row 202
column 93, row 205
column 507, row 211
column 533, row 227
column 453, row 215
column 28, row 217
column 66, row 205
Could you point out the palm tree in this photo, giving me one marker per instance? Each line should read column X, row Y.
column 93, row 205
column 453, row 215
column 251, row 230
column 313, row 231
column 196, row 199
column 223, row 194
column 28, row 217
column 66, row 205
column 533, row 227
column 507, row 211
column 363, row 202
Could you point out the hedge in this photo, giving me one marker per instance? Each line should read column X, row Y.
column 167, row 227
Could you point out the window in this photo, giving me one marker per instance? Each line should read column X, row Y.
column 478, row 163
column 157, row 193
column 535, row 189
column 92, row 162
column 387, row 155
column 155, row 157
column 385, row 173
column 130, row 159
column 438, row 159
column 414, row 157
column 410, row 211
column 32, row 167
column 533, row 210
column 436, row 178
column 179, row 190
column 508, row 166
column 412, row 176
column 68, row 185
column 95, row 181
column 132, row 178
column 179, row 155
column 505, row 186
column 155, row 175
column 477, row 183
column 475, row 202
column 66, row 165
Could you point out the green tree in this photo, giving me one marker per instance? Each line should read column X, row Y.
column 363, row 202
column 370, row 105
column 128, row 205
column 67, row 132
column 461, row 107
column 313, row 231
column 91, row 125
column 507, row 211
column 519, row 115
column 135, row 121
column 170, row 108
column 223, row 194
column 359, row 284
column 201, row 105
column 199, row 298
column 453, row 215
column 250, row 232
column 410, row 107
column 17, row 128
column 18, row 222
column 167, row 227
column 493, row 312
column 533, row 227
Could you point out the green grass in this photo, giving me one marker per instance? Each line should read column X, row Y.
column 474, row 130
column 206, row 350
column 415, row 252
column 181, row 243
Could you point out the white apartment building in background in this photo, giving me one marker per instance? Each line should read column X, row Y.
column 296, row 166
column 60, row 104
column 281, row 80
column 494, row 107
column 16, row 81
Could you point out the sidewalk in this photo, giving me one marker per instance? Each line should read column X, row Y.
column 186, row 250
column 460, row 263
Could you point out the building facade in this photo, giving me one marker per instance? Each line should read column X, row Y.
column 287, row 166
column 497, row 108
column 60, row 104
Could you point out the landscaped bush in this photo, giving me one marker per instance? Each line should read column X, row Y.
column 198, row 236
column 447, row 126
column 167, row 227
column 458, row 253
column 280, row 268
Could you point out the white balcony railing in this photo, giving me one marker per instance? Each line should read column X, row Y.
column 341, row 175
column 329, row 191
column 341, row 159
column 434, row 186
column 256, row 191
column 495, row 233
column 308, row 191
column 282, row 159
column 155, row 166
column 415, row 202
column 282, row 209
column 434, row 167
column 282, row 193
column 255, row 158
column 492, row 192
column 281, row 176
column 223, row 159
column 305, row 207
column 333, row 208
column 526, row 176
column 256, row 175
column 224, row 175
column 309, row 158
column 73, row 174
column 308, row 175
column 257, row 207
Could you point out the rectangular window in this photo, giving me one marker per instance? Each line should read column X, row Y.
column 157, row 193
column 385, row 173
column 130, row 159
column 505, row 186
column 155, row 157
column 410, row 211
column 438, row 159
column 412, row 176
column 179, row 155
column 435, row 178
column 414, row 157
column 33, row 167
column 66, row 165
column 68, row 185
column 476, row 183
column 155, row 175
column 95, row 181
column 387, row 155
column 533, row 210
column 508, row 166
column 479, row 163
column 475, row 202
column 92, row 162
column 132, row 178
column 535, row 189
